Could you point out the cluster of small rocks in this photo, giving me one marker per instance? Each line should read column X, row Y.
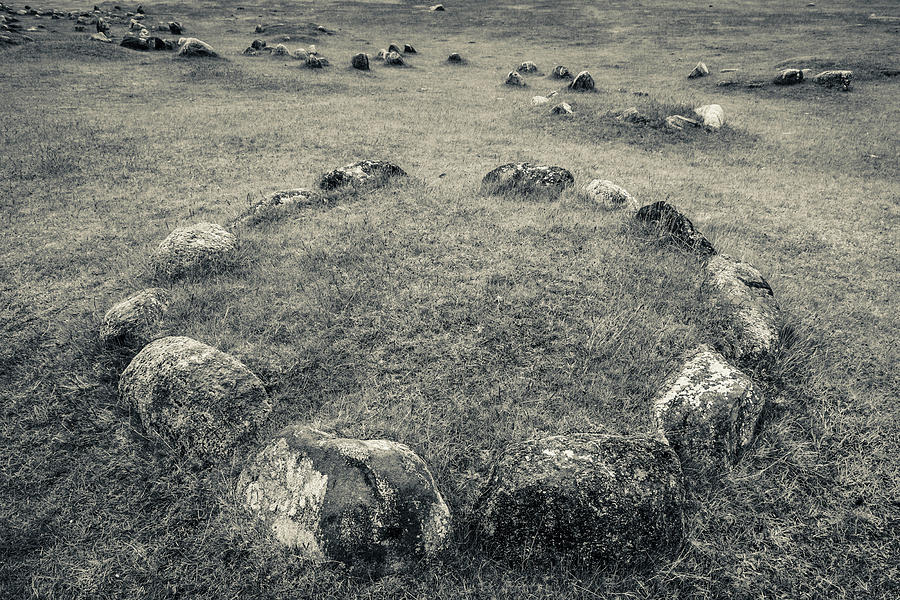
column 790, row 76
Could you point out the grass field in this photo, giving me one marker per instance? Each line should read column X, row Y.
column 427, row 313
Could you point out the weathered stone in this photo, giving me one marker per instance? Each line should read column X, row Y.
column 679, row 122
column 699, row 71
column 538, row 100
column 192, row 47
column 674, row 227
column 258, row 44
column 408, row 49
column 102, row 25
column 193, row 397
column 526, row 178
column 563, row 108
column 633, row 115
column 175, row 28
column 527, row 67
column 370, row 504
column 587, row 497
column 136, row 320
column 436, row 8
column 394, row 59
column 259, row 29
column 712, row 116
column 194, row 249
column 382, row 54
column 300, row 54
column 707, row 410
column 750, row 314
column 454, row 57
column 134, row 42
column 561, row 72
column 609, row 195
column 101, row 37
column 364, row 172
column 315, row 62
column 278, row 202
column 514, row 78
column 281, row 50
column 583, row 82
column 360, row 61
column 394, row 48
column 834, row 78
column 788, row 77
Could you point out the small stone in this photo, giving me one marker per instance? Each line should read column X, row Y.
column 609, row 195
column 259, row 29
column 538, row 100
column 394, row 48
column 527, row 67
column 679, row 122
column 102, row 25
column 175, row 28
column 436, row 8
column 382, row 54
column 365, row 172
column 277, row 202
column 454, row 57
column 394, row 59
column 514, row 78
column 196, row 248
column 101, row 37
column 360, row 61
column 674, row 227
column 583, row 82
column 136, row 320
column 192, row 47
column 834, row 78
column 788, row 77
column 712, row 116
column 527, row 178
column 561, row 72
column 408, row 49
column 563, row 108
column 281, row 50
column 314, row 62
column 699, row 71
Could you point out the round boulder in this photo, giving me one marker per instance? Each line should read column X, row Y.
column 370, row 504
column 192, row 47
column 136, row 320
column 364, row 172
column 195, row 248
column 526, row 178
column 587, row 497
column 674, row 227
column 360, row 61
column 514, row 78
column 711, row 115
column 583, row 82
column 708, row 411
column 193, row 397
column 750, row 315
column 527, row 67
column 561, row 72
column 608, row 195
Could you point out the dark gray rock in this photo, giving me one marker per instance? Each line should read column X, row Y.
column 515, row 79
column 699, row 71
column 834, row 78
column 561, row 72
column 526, row 178
column 583, row 82
column 675, row 227
column 394, row 59
column 788, row 77
column 136, row 320
column 408, row 49
column 360, row 61
column 454, row 58
column 364, row 172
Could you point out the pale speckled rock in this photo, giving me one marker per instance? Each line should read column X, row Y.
column 515, row 79
column 364, row 172
column 195, row 248
column 674, row 227
column 589, row 497
column 700, row 70
column 370, row 504
column 279, row 202
column 563, row 108
column 788, row 77
column 538, row 100
column 583, row 82
column 707, row 411
column 526, row 178
column 136, row 320
column 382, row 54
column 193, row 397
column 192, row 47
column 609, row 195
column 834, row 78
column 527, row 67
column 748, row 307
column 711, row 115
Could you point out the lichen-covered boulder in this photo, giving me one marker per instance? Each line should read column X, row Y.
column 364, row 172
column 587, row 497
column 711, row 115
column 192, row 47
column 281, row 50
column 526, row 178
column 561, row 72
column 751, row 317
column 788, row 77
column 515, row 79
column 527, row 67
column 370, row 504
column 136, row 320
column 699, row 71
column 834, row 78
column 674, row 227
column 194, row 249
column 583, row 82
column 194, row 398
column 609, row 195
column 360, row 61
column 278, row 203
column 707, row 410
column 563, row 108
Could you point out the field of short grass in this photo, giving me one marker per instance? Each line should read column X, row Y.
column 427, row 313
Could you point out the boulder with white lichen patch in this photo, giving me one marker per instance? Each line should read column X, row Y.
column 370, row 504
column 136, row 320
column 527, row 178
column 364, row 172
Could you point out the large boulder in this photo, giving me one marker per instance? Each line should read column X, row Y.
column 136, row 320
column 526, row 178
column 360, row 61
column 364, row 172
column 834, row 78
column 707, row 410
column 370, row 504
column 750, row 315
column 788, row 77
column 674, row 227
column 192, row 47
column 194, row 398
column 583, row 82
column 515, row 79
column 584, row 497
column 712, row 116
column 609, row 195
column 700, row 70
column 194, row 249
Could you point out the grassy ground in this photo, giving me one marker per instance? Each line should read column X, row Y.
column 431, row 315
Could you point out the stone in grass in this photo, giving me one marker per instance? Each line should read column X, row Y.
column 699, row 71
column 583, row 82
column 526, row 178
column 370, row 504
column 278, row 202
column 711, row 115
column 364, row 172
column 563, row 108
column 194, row 398
column 408, row 49
column 514, row 78
column 136, row 320
column 707, row 410
column 834, row 78
column 788, row 77
column 586, row 497
column 382, row 54
column 436, row 8
column 394, row 48
column 175, row 28
column 675, row 227
column 394, row 59
column 561, row 72
column 539, row 100
column 454, row 58
column 194, row 249
column 360, row 61
column 281, row 50
column 527, row 67
column 751, row 316
column 101, row 37
column 315, row 62
column 679, row 122
column 194, row 48
column 609, row 195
